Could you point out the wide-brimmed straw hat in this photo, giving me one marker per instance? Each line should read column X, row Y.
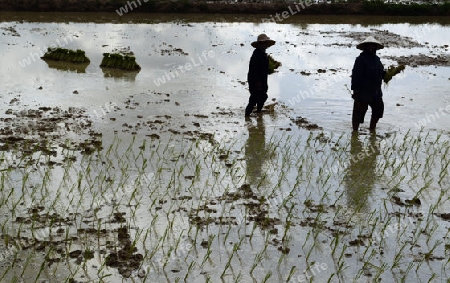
column 370, row 40
column 263, row 40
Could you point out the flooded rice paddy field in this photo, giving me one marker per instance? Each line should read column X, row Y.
column 155, row 176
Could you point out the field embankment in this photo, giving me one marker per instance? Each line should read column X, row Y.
column 184, row 6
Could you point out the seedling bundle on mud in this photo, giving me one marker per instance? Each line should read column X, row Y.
column 273, row 64
column 391, row 72
column 66, row 55
column 119, row 61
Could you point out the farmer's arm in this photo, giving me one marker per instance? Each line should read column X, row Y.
column 357, row 75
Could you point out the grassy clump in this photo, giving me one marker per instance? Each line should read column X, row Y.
column 66, row 55
column 273, row 64
column 119, row 61
column 391, row 72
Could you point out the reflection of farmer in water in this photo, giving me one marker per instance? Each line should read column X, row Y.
column 360, row 174
column 255, row 150
column 367, row 76
column 257, row 74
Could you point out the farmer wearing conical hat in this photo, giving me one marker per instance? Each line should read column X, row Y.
column 257, row 74
column 367, row 75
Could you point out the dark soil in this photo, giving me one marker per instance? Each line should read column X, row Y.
column 184, row 6
column 257, row 208
column 304, row 123
column 126, row 260
column 45, row 129
column 122, row 254
column 389, row 39
column 422, row 60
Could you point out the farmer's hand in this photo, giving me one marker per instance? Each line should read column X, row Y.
column 355, row 95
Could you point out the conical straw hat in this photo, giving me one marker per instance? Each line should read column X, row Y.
column 263, row 40
column 371, row 40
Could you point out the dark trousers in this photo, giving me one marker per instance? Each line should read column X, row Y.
column 257, row 98
column 360, row 109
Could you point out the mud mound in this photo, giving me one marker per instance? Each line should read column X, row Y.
column 388, row 38
column 126, row 260
column 46, row 235
column 422, row 60
column 45, row 129
column 304, row 123
column 10, row 31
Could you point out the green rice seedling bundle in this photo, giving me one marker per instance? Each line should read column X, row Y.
column 391, row 72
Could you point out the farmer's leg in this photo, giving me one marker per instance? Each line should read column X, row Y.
column 359, row 111
column 377, row 113
column 252, row 101
column 261, row 100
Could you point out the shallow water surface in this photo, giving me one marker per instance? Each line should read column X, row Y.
column 209, row 60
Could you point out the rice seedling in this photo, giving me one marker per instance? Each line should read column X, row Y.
column 311, row 206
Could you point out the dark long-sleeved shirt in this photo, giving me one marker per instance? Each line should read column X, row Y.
column 367, row 76
column 258, row 71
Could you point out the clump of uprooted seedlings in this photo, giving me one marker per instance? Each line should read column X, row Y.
column 273, row 64
column 66, row 55
column 391, row 72
column 119, row 61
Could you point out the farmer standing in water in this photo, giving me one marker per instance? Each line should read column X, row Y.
column 367, row 76
column 257, row 74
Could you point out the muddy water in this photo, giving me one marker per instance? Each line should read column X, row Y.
column 207, row 181
column 212, row 57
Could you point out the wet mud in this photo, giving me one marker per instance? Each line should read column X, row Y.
column 46, row 129
column 171, row 117
column 257, row 210
column 422, row 60
column 126, row 259
column 304, row 123
column 57, row 233
column 389, row 39
column 393, row 40
column 11, row 31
